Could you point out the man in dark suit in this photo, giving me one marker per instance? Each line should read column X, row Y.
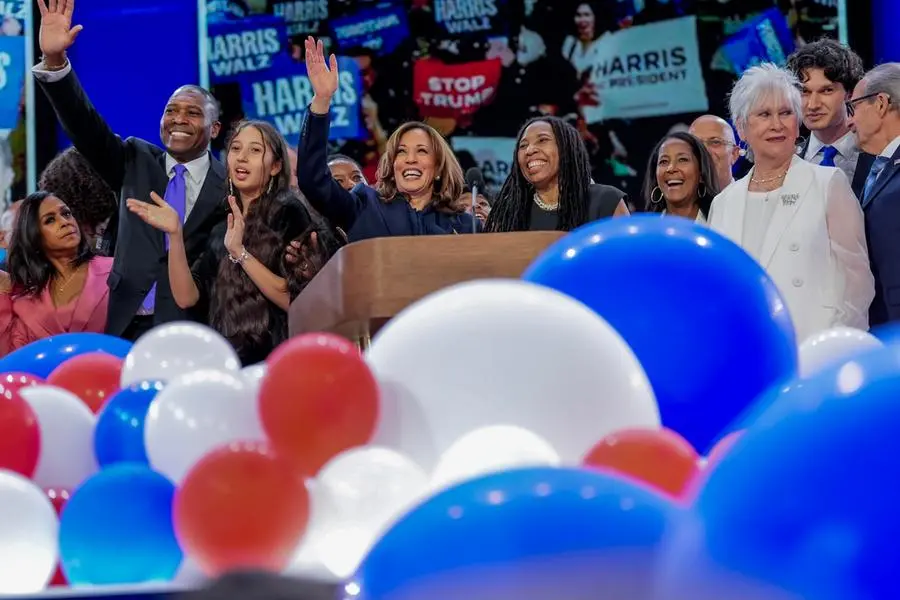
column 828, row 72
column 185, row 173
column 875, row 118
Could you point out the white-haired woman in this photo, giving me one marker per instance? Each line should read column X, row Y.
column 800, row 221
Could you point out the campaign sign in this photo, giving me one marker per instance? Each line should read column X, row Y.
column 463, row 17
column 282, row 95
column 14, row 9
column 380, row 29
column 647, row 71
column 303, row 17
column 494, row 156
column 766, row 38
column 12, row 78
column 454, row 91
column 246, row 46
column 223, row 10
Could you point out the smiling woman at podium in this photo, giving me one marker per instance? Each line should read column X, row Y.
column 419, row 178
column 550, row 187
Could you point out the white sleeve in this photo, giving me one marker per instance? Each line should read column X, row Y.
column 43, row 74
column 854, row 284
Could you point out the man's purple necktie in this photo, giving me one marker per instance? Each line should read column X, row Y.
column 176, row 196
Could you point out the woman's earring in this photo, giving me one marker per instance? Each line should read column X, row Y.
column 271, row 181
column 742, row 148
column 702, row 194
column 653, row 199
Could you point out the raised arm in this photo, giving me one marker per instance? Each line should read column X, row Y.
column 79, row 119
column 855, row 285
column 313, row 176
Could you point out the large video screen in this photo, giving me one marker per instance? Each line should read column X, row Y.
column 624, row 72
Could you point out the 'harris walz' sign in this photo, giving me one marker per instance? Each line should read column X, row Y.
column 246, row 46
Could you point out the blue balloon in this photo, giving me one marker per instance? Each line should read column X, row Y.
column 807, row 500
column 41, row 357
column 119, row 433
column 511, row 534
column 117, row 528
column 703, row 318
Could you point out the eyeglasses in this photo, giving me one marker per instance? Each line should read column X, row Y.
column 851, row 104
column 716, row 143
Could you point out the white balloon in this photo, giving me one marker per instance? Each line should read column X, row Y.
column 253, row 376
column 28, row 536
column 828, row 348
column 174, row 349
column 358, row 495
column 195, row 414
column 490, row 450
column 67, row 437
column 505, row 352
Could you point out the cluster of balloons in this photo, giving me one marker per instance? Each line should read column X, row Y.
column 623, row 416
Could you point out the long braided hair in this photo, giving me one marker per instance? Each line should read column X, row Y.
column 511, row 210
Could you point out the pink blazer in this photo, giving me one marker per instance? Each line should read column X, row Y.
column 24, row 320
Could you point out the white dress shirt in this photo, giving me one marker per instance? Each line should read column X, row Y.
column 699, row 219
column 809, row 236
column 846, row 157
column 891, row 148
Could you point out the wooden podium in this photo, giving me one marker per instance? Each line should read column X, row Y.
column 368, row 282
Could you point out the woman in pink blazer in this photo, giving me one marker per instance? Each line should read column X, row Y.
column 55, row 284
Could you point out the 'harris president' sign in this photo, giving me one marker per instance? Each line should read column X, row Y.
column 246, row 46
column 284, row 93
column 379, row 29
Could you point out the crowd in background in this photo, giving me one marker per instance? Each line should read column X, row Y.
column 125, row 235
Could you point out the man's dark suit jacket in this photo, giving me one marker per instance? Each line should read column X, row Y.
column 135, row 168
column 882, row 210
column 863, row 165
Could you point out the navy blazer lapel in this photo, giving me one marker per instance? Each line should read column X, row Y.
column 211, row 196
column 890, row 170
column 159, row 183
column 863, row 166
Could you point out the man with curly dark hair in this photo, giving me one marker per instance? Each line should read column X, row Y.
column 72, row 179
column 828, row 72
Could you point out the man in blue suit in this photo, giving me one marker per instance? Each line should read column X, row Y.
column 875, row 114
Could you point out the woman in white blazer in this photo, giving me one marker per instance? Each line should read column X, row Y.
column 800, row 221
column 680, row 179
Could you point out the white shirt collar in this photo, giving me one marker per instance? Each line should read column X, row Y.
column 700, row 219
column 196, row 169
column 845, row 145
column 891, row 148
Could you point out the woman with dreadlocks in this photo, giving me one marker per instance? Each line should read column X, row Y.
column 550, row 186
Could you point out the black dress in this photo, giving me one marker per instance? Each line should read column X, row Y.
column 289, row 220
column 603, row 202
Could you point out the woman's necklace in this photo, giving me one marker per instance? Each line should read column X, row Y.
column 543, row 205
column 61, row 287
column 769, row 180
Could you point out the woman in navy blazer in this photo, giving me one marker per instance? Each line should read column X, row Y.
column 419, row 178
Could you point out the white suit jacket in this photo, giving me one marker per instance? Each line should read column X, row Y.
column 814, row 247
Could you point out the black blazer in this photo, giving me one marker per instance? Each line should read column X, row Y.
column 135, row 167
column 863, row 164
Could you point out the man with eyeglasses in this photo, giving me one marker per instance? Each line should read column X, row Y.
column 828, row 71
column 874, row 112
column 718, row 137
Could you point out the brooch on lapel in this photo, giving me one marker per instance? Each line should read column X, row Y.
column 789, row 199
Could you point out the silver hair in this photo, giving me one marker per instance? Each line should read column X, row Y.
column 885, row 79
column 755, row 84
column 210, row 104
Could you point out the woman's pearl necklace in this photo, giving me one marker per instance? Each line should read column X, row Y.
column 543, row 205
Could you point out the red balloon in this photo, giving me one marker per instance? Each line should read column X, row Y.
column 317, row 399
column 659, row 457
column 58, row 497
column 16, row 381
column 20, row 434
column 241, row 506
column 93, row 377
column 722, row 448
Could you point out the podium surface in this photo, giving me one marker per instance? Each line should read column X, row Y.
column 366, row 283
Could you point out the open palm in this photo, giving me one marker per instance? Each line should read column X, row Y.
column 158, row 214
column 57, row 33
column 323, row 79
column 234, row 234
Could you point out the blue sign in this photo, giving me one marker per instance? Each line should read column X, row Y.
column 766, row 38
column 12, row 78
column 282, row 95
column 380, row 29
column 222, row 10
column 465, row 18
column 247, row 46
column 14, row 9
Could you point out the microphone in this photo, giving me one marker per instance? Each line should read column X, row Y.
column 475, row 181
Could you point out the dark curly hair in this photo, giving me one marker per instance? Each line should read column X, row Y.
column 511, row 210
column 72, row 179
column 238, row 309
column 707, row 174
column 30, row 271
column 839, row 63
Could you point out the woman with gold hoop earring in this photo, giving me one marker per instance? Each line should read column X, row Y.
column 680, row 179
column 800, row 221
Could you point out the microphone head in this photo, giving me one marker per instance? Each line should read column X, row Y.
column 474, row 177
